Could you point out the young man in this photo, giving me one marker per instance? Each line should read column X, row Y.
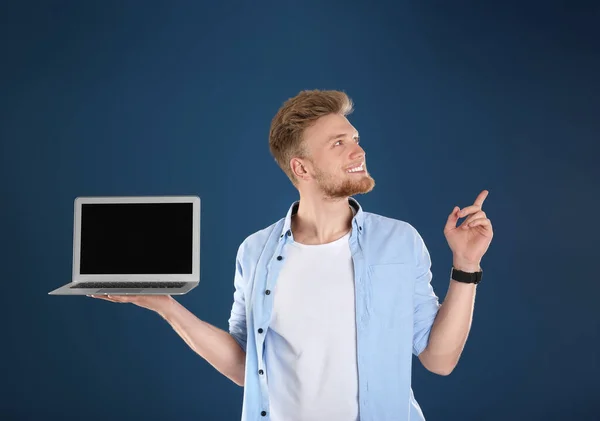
column 331, row 302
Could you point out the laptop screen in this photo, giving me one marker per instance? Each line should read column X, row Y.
column 136, row 238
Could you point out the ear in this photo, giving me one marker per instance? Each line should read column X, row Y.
column 299, row 169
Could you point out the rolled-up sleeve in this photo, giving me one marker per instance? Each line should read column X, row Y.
column 426, row 302
column 237, row 320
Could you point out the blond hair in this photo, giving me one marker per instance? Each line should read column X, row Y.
column 295, row 116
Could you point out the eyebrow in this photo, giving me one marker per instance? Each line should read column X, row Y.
column 340, row 135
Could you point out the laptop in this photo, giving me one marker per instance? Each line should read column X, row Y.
column 145, row 245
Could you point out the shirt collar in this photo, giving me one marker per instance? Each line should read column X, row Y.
column 357, row 220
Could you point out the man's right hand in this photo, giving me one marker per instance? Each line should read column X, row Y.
column 151, row 302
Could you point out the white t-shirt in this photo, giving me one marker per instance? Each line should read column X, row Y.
column 310, row 348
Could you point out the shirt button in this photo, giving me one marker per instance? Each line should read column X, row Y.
column 267, row 292
column 279, row 257
column 261, row 372
column 260, row 330
column 263, row 413
column 289, row 233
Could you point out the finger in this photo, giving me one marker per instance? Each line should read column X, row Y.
column 452, row 218
column 111, row 298
column 100, row 297
column 469, row 210
column 481, row 198
column 476, row 215
column 484, row 222
column 118, row 298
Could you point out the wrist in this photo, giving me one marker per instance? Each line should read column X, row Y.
column 165, row 307
column 466, row 266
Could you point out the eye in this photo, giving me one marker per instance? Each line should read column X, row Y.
column 356, row 139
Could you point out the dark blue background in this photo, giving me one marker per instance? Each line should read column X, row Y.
column 131, row 98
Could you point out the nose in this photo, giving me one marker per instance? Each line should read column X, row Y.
column 357, row 152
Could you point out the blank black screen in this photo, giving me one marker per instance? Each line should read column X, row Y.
column 136, row 238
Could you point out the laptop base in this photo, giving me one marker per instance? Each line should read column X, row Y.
column 69, row 290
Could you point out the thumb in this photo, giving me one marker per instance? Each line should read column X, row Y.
column 452, row 218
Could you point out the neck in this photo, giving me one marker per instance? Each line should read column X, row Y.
column 321, row 221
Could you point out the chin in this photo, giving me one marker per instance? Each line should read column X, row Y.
column 352, row 187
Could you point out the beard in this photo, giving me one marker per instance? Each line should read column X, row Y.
column 336, row 187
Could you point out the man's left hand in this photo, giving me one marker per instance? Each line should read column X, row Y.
column 471, row 239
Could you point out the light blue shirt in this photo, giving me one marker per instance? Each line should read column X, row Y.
column 395, row 310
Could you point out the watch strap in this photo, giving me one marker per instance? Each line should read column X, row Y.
column 466, row 277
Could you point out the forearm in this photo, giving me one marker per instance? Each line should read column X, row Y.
column 215, row 345
column 451, row 327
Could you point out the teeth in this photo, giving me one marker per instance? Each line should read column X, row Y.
column 355, row 169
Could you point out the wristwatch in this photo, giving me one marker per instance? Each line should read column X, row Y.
column 466, row 277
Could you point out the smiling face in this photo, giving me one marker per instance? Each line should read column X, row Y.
column 336, row 164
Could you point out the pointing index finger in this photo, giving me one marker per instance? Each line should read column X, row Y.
column 481, row 198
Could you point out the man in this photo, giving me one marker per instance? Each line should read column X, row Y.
column 331, row 302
